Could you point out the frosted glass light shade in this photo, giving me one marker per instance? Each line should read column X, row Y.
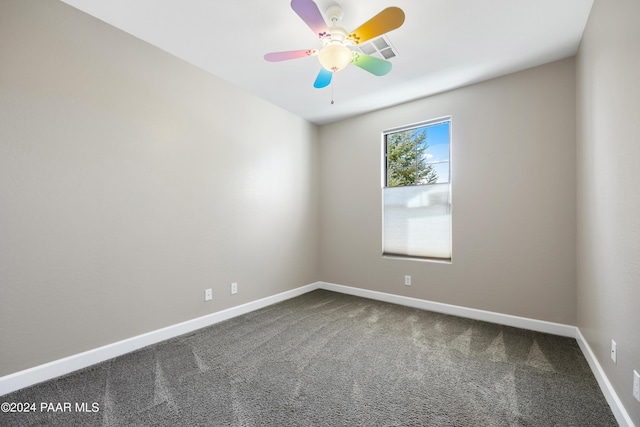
column 334, row 57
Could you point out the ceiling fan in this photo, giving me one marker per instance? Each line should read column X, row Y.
column 334, row 55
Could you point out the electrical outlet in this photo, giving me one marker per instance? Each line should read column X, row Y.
column 407, row 280
column 614, row 351
column 208, row 294
column 636, row 385
column 234, row 288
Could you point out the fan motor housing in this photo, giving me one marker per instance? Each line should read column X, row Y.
column 338, row 33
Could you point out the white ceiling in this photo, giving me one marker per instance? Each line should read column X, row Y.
column 442, row 45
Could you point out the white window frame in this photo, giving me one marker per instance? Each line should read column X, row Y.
column 386, row 132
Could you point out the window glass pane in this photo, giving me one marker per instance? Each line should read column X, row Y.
column 418, row 156
column 437, row 153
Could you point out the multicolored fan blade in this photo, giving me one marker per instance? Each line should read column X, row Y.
column 310, row 14
column 323, row 79
column 376, row 66
column 292, row 54
column 385, row 21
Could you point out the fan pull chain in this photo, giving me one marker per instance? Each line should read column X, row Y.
column 332, row 91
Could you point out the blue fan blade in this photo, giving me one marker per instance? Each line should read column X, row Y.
column 323, row 79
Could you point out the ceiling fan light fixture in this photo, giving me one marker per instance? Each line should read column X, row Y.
column 334, row 57
column 335, row 53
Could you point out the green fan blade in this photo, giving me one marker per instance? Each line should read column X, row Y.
column 376, row 66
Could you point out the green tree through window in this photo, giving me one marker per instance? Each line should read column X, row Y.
column 407, row 159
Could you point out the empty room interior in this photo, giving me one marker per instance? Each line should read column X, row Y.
column 164, row 188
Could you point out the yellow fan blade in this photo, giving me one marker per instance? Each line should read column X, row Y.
column 385, row 21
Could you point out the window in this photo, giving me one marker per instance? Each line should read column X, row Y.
column 416, row 191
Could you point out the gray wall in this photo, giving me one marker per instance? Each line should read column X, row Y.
column 513, row 174
column 130, row 181
column 608, row 66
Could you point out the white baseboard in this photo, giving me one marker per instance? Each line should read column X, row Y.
column 456, row 310
column 82, row 360
column 73, row 363
column 37, row 374
column 621, row 414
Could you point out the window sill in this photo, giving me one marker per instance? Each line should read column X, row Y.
column 415, row 258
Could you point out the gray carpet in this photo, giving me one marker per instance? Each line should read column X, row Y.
column 327, row 359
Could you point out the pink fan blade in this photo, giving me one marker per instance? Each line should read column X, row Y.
column 292, row 54
column 308, row 11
